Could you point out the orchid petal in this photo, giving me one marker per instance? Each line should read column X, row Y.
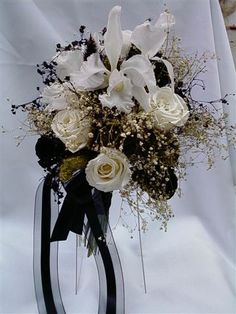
column 126, row 43
column 150, row 38
column 170, row 70
column 67, row 62
column 98, row 38
column 123, row 102
column 113, row 37
column 140, row 71
column 92, row 74
column 142, row 97
column 119, row 93
column 115, row 80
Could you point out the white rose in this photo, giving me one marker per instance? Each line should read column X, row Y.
column 54, row 96
column 68, row 62
column 72, row 129
column 109, row 171
column 168, row 109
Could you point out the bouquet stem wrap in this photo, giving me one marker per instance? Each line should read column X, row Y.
column 82, row 201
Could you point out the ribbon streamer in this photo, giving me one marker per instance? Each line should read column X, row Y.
column 45, row 256
column 81, row 201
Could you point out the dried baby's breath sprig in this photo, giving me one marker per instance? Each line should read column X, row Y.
column 40, row 120
column 148, row 209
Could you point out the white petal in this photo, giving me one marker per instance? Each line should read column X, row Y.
column 149, row 39
column 92, row 74
column 140, row 71
column 119, row 93
column 117, row 81
column 126, row 43
column 170, row 70
column 142, row 97
column 54, row 97
column 98, row 38
column 113, row 37
column 121, row 101
column 68, row 62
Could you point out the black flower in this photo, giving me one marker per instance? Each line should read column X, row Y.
column 49, row 150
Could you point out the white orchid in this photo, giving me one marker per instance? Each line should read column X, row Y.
column 132, row 76
column 150, row 38
column 119, row 92
column 92, row 74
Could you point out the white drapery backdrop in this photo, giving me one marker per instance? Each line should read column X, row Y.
column 189, row 269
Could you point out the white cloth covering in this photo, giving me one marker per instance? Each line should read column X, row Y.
column 189, row 269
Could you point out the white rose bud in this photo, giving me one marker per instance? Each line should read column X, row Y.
column 109, row 171
column 169, row 109
column 72, row 129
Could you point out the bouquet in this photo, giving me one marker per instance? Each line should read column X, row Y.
column 117, row 113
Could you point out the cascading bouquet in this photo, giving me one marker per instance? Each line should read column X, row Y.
column 117, row 111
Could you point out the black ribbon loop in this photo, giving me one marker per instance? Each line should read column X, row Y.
column 45, row 255
column 81, row 200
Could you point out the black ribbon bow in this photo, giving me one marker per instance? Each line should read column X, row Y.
column 81, row 199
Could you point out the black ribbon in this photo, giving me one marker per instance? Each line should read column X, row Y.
column 82, row 200
column 45, row 248
column 45, row 255
column 80, row 196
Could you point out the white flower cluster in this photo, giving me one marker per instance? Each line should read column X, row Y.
column 119, row 81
